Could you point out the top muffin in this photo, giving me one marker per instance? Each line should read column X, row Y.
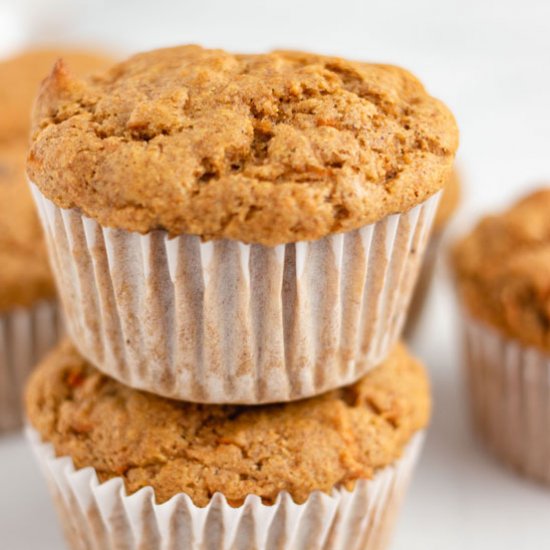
column 20, row 77
column 269, row 149
column 503, row 270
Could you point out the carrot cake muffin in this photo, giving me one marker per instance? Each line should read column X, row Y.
column 502, row 271
column 167, row 165
column 328, row 443
column 28, row 317
column 29, row 321
column 287, row 146
column 25, row 275
column 20, row 77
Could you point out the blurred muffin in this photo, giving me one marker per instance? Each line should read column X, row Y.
column 299, row 190
column 29, row 320
column 20, row 77
column 327, row 472
column 28, row 315
column 502, row 273
column 448, row 204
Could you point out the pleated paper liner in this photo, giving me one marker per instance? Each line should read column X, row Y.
column 509, row 387
column 423, row 285
column 225, row 322
column 26, row 334
column 100, row 516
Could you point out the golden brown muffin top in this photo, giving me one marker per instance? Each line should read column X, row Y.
column 24, row 269
column 269, row 148
column 315, row 444
column 503, row 270
column 448, row 204
column 20, row 77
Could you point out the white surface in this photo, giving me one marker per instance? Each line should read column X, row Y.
column 490, row 62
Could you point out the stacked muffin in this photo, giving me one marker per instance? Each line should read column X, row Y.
column 29, row 320
column 235, row 239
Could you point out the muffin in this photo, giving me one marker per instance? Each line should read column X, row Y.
column 237, row 228
column 503, row 279
column 129, row 469
column 20, row 77
column 29, row 319
column 448, row 204
column 28, row 314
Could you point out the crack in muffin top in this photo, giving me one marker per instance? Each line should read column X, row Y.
column 320, row 443
column 270, row 148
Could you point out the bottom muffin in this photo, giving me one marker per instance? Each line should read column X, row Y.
column 134, row 470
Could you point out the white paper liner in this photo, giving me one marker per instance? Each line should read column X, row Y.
column 26, row 334
column 100, row 516
column 225, row 322
column 509, row 386
column 423, row 285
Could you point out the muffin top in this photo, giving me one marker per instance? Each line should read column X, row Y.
column 20, row 78
column 448, row 204
column 24, row 269
column 503, row 270
column 315, row 444
column 269, row 149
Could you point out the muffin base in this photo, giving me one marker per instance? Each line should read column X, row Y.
column 101, row 516
column 509, row 388
column 26, row 334
column 225, row 322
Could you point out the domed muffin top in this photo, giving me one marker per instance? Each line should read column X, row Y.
column 503, row 270
column 269, row 148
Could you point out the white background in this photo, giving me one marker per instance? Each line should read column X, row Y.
column 490, row 61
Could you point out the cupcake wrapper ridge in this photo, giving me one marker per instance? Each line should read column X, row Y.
column 423, row 285
column 26, row 334
column 227, row 322
column 100, row 516
column 509, row 387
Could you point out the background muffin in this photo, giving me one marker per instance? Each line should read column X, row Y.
column 300, row 191
column 28, row 315
column 29, row 320
column 447, row 207
column 20, row 77
column 503, row 279
column 25, row 276
column 290, row 455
